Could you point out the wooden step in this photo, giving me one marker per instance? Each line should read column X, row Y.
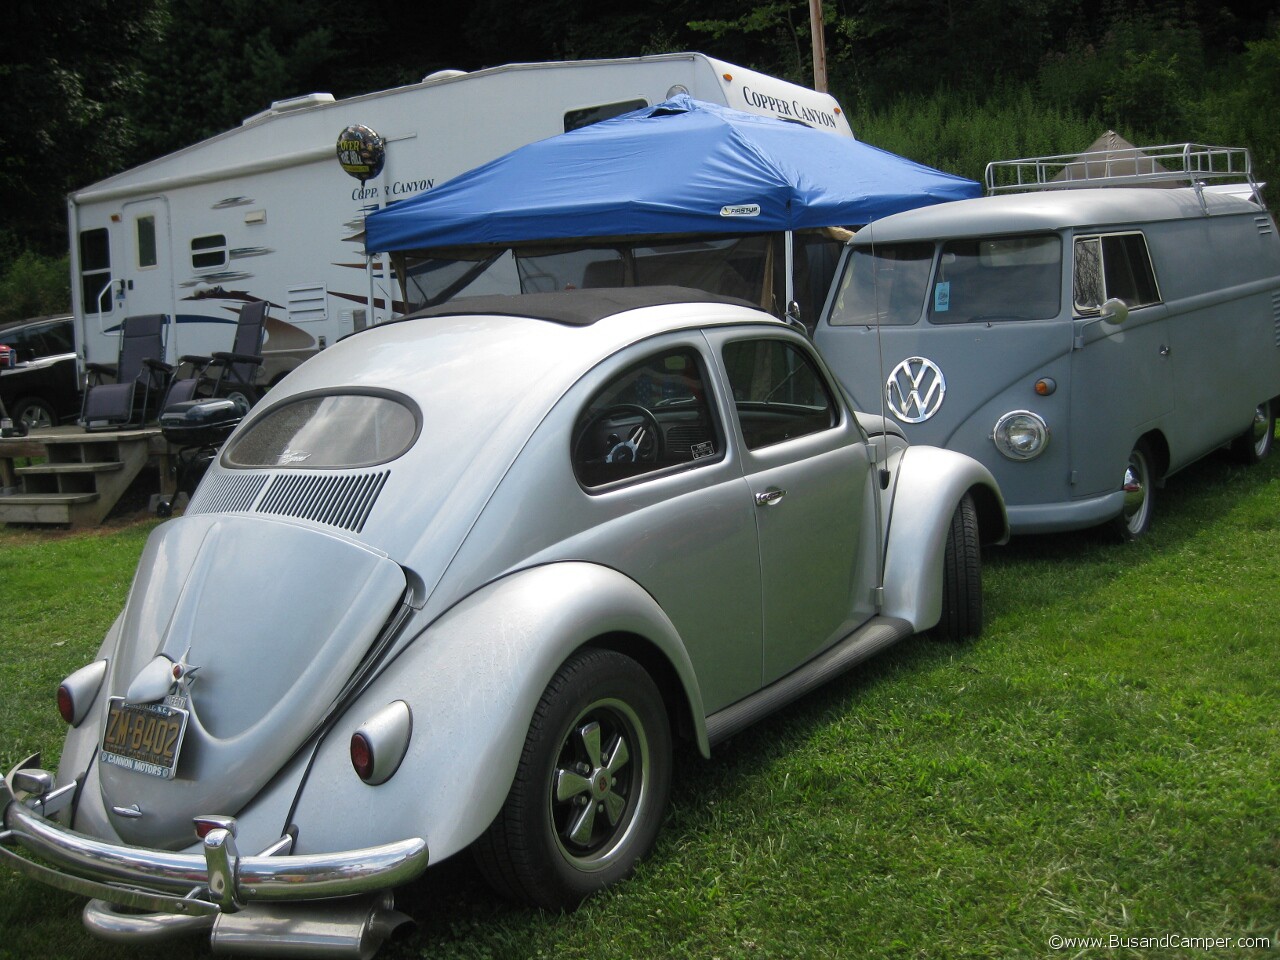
column 82, row 475
column 45, row 508
column 107, row 466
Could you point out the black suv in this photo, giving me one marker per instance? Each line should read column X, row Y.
column 43, row 389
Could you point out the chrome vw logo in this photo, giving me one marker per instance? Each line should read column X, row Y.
column 915, row 390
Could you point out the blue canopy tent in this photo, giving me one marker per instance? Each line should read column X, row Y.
column 683, row 167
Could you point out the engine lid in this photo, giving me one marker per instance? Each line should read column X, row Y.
column 267, row 620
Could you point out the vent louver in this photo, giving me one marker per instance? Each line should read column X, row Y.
column 229, row 494
column 337, row 500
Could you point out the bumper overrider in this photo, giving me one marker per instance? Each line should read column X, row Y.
column 216, row 888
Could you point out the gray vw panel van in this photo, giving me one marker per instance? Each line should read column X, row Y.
column 1081, row 331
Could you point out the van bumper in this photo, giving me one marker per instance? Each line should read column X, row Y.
column 1072, row 515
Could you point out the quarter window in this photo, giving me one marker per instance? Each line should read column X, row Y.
column 1115, row 265
column 208, row 252
column 778, row 392
column 653, row 417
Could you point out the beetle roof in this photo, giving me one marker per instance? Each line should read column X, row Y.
column 579, row 309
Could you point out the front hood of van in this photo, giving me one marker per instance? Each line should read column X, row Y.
column 268, row 620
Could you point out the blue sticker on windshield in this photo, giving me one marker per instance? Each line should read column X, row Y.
column 942, row 296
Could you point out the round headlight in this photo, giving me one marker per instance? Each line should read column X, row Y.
column 1021, row 435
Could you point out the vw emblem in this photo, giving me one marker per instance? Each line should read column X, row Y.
column 915, row 390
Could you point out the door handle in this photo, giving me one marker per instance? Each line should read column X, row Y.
column 770, row 497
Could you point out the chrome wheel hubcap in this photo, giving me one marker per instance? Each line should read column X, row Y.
column 599, row 781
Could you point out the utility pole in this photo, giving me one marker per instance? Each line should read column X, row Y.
column 819, row 46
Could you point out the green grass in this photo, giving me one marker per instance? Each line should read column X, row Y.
column 1104, row 761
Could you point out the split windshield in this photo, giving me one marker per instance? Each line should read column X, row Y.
column 960, row 281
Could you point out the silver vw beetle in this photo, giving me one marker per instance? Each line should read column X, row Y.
column 459, row 582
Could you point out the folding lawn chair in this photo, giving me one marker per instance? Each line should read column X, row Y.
column 140, row 377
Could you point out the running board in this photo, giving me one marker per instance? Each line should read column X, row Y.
column 872, row 637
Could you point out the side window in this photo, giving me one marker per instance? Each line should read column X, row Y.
column 95, row 271
column 584, row 117
column 208, row 252
column 654, row 416
column 778, row 392
column 47, row 340
column 1115, row 265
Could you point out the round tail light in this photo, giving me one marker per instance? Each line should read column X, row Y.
column 66, row 704
column 362, row 756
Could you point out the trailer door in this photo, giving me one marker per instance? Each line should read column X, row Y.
column 142, row 252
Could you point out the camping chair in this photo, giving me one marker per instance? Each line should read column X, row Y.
column 139, row 373
column 230, row 372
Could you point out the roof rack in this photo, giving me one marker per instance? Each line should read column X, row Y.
column 1171, row 165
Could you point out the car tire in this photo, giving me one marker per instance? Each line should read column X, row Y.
column 1254, row 445
column 33, row 414
column 962, row 575
column 1139, row 489
column 549, row 848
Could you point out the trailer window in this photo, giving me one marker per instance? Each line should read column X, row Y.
column 584, row 117
column 1115, row 265
column 207, row 252
column 146, row 231
column 883, row 285
column 996, row 279
column 95, row 271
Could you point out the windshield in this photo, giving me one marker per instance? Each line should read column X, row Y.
column 974, row 281
column 883, row 285
column 1004, row 278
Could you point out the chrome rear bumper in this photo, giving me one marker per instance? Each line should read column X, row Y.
column 217, row 881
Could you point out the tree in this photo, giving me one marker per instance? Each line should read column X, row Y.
column 71, row 69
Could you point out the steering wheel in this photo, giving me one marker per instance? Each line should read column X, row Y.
column 642, row 442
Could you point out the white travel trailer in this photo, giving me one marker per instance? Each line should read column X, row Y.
column 1080, row 333
column 265, row 212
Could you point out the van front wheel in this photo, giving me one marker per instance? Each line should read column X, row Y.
column 1139, row 495
column 1254, row 445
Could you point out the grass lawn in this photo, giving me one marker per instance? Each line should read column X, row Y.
column 1104, row 762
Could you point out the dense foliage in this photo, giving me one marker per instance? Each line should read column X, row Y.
column 94, row 87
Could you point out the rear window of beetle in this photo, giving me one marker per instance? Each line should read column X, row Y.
column 328, row 431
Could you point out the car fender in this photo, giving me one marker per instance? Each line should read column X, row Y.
column 929, row 484
column 472, row 680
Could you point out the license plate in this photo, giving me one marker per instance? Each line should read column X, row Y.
column 145, row 737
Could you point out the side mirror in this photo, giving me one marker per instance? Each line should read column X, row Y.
column 792, row 316
column 1114, row 311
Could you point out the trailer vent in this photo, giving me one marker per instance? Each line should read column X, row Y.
column 339, row 501
column 227, row 494
column 1275, row 315
column 308, row 303
column 1265, row 226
